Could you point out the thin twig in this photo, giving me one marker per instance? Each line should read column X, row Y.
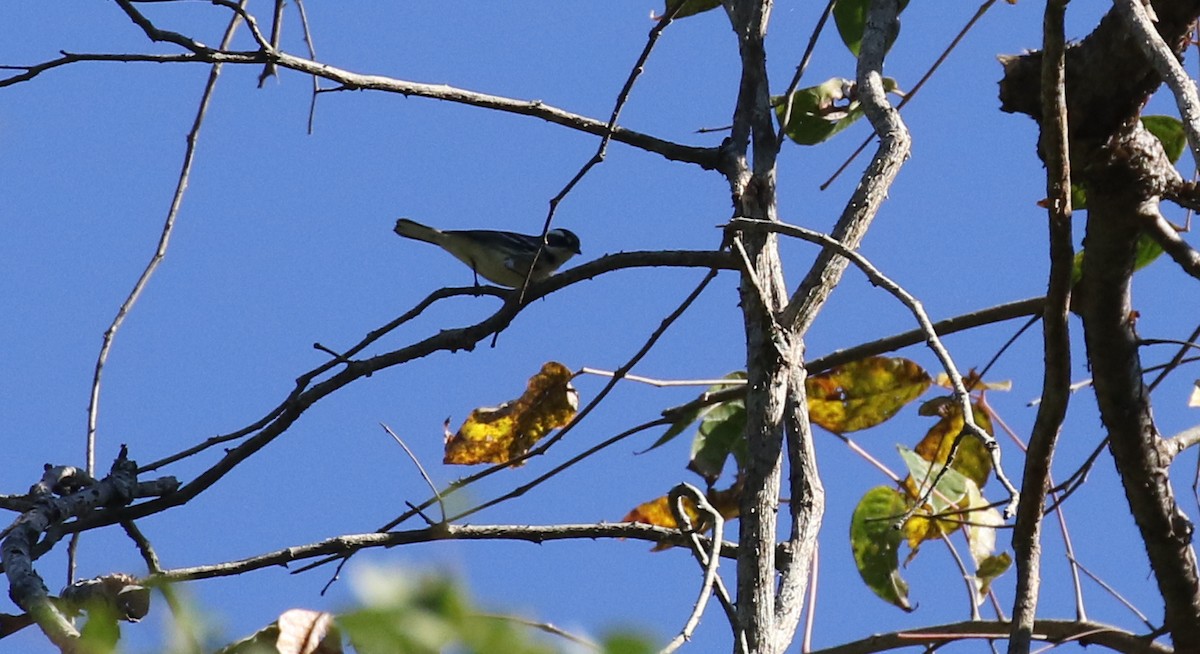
column 968, row 578
column 664, row 383
column 344, row 545
column 464, row 338
column 605, row 137
column 1080, row 609
column 547, row 443
column 420, row 468
column 276, row 35
column 543, row 626
column 1053, row 631
column 160, row 251
column 1171, row 365
column 1117, row 596
column 705, row 157
column 312, row 54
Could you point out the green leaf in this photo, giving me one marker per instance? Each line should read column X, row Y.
column 627, row 643
column 686, row 418
column 851, row 19
column 818, row 112
column 951, row 490
column 691, row 7
column 988, row 569
column 1078, row 198
column 1148, row 250
column 876, row 544
column 429, row 615
column 1169, row 131
column 722, row 433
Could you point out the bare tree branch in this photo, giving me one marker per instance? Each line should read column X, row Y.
column 1169, row 240
column 1166, row 63
column 1056, row 343
column 861, row 209
column 1051, row 631
column 341, row 546
column 19, row 548
column 706, row 158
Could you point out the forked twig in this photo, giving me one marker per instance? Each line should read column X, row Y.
column 879, row 279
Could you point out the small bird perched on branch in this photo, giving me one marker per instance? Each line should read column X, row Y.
column 500, row 257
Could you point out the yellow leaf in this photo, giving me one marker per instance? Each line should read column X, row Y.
column 972, row 458
column 863, row 393
column 500, row 434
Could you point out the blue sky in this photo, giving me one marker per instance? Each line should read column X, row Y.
column 285, row 239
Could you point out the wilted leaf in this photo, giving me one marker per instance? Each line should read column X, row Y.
column 497, row 435
column 876, row 545
column 851, row 19
column 303, row 631
column 863, row 393
column 297, row 631
column 691, row 7
column 722, row 433
column 972, row 458
column 658, row 511
column 982, row 521
column 1169, row 131
column 988, row 569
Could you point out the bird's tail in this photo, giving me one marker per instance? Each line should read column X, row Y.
column 415, row 230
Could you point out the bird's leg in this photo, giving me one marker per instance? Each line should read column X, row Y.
column 475, row 272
